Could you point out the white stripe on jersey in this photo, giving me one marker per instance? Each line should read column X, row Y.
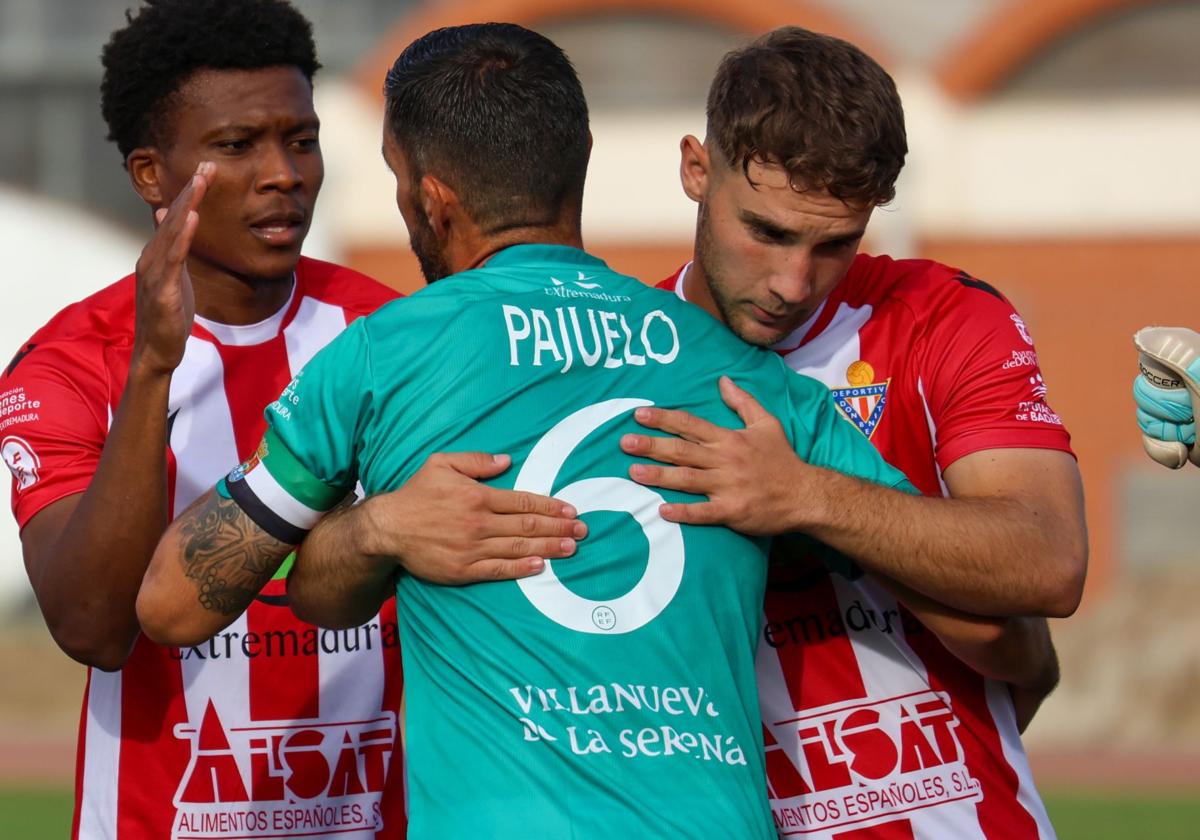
column 932, row 436
column 315, row 325
column 890, row 668
column 226, row 682
column 101, row 756
column 202, row 434
column 775, row 702
column 829, row 355
column 204, row 445
column 279, row 501
column 358, row 673
column 999, row 702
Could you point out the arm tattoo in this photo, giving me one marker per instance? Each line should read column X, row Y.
column 227, row 555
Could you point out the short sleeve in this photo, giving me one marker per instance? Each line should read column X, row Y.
column 979, row 374
column 308, row 459
column 54, row 411
column 823, row 437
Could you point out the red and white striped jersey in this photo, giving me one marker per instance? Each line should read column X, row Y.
column 273, row 728
column 873, row 729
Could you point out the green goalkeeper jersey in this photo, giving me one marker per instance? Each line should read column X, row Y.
column 613, row 695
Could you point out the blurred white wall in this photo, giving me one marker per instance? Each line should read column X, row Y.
column 1027, row 168
column 55, row 255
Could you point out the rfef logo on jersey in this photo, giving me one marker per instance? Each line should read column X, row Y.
column 285, row 779
column 863, row 402
column 22, row 461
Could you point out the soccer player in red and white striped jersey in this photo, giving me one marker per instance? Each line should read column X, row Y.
column 220, row 739
column 119, row 412
column 891, row 704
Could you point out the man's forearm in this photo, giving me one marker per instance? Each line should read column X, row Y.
column 1017, row 650
column 207, row 568
column 987, row 555
column 335, row 581
column 1014, row 650
column 1011, row 540
column 86, row 556
column 442, row 526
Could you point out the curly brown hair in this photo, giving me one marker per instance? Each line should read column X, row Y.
column 818, row 106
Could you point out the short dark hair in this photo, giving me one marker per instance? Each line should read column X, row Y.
column 146, row 61
column 816, row 105
column 497, row 111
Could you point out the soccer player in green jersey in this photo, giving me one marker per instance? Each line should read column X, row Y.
column 611, row 695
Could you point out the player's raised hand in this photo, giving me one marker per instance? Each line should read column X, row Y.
column 443, row 526
column 165, row 301
column 748, row 474
column 1166, row 391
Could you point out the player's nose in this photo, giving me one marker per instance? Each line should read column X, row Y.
column 792, row 281
column 278, row 169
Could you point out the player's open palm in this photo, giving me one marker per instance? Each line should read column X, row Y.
column 165, row 300
column 748, row 474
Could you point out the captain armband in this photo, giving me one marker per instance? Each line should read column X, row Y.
column 278, row 493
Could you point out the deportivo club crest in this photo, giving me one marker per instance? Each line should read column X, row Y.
column 864, row 400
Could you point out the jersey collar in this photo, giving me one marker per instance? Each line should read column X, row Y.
column 526, row 254
column 245, row 335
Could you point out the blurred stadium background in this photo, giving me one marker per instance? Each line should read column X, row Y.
column 1054, row 154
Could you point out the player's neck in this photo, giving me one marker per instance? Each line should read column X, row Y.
column 696, row 289
column 480, row 252
column 228, row 298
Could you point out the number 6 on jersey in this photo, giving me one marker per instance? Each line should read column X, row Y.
column 664, row 568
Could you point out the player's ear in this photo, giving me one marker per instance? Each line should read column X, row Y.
column 695, row 167
column 145, row 173
column 440, row 204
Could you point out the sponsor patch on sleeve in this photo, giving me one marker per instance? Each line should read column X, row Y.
column 17, row 407
column 22, row 461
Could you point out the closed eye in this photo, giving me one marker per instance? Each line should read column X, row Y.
column 840, row 244
column 769, row 234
